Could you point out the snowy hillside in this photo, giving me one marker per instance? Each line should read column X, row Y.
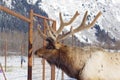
column 106, row 29
column 109, row 21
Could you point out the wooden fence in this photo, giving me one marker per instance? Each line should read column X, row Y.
column 30, row 39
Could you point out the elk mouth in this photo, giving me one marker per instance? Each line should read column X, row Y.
column 38, row 55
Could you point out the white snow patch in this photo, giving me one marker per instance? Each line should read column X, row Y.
column 118, row 17
column 32, row 1
column 116, row 1
column 8, row 3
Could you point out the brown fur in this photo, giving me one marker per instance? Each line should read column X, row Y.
column 70, row 59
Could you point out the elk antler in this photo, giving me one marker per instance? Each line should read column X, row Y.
column 82, row 26
column 41, row 33
column 63, row 24
column 49, row 30
column 55, row 35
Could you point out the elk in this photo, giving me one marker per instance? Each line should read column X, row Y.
column 81, row 63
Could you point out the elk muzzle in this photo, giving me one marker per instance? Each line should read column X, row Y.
column 38, row 53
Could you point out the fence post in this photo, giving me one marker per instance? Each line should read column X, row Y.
column 53, row 66
column 30, row 46
column 43, row 60
column 5, row 53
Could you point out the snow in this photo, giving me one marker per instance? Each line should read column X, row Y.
column 116, row 1
column 32, row 1
column 8, row 3
column 118, row 17
column 69, row 7
column 15, row 72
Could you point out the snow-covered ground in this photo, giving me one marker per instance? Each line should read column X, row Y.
column 15, row 72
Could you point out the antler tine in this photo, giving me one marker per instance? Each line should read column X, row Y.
column 63, row 24
column 53, row 31
column 93, row 22
column 83, row 24
column 84, row 18
column 65, row 35
column 50, row 28
column 51, row 34
column 41, row 33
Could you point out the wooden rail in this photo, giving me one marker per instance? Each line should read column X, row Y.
column 14, row 13
column 43, row 17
